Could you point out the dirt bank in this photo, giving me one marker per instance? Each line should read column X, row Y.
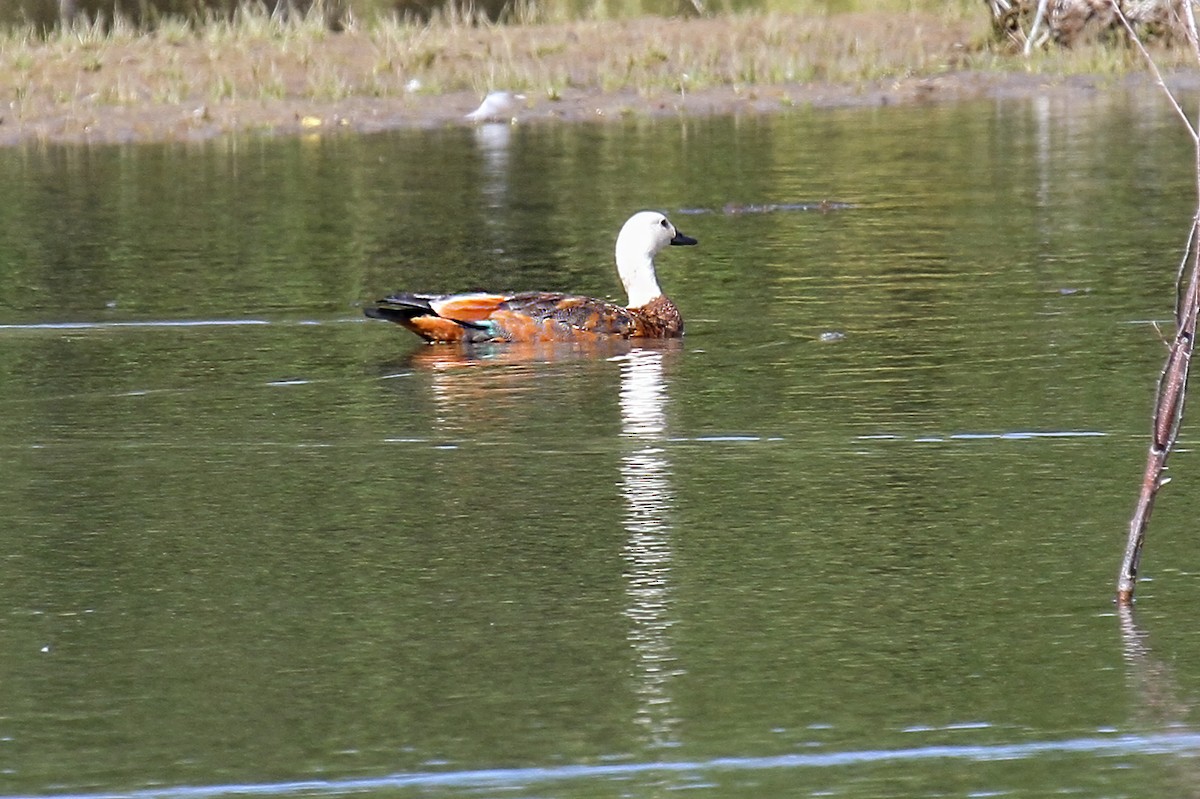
column 156, row 122
column 192, row 88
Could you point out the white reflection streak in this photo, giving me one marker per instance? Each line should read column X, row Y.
column 646, row 487
column 1042, row 120
column 493, row 140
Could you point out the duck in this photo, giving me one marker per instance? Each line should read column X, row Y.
column 536, row 316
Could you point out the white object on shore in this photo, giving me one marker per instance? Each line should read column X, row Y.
column 497, row 107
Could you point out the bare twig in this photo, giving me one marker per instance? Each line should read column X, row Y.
column 1172, row 384
column 1168, row 414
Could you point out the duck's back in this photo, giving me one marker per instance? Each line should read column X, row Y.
column 541, row 314
column 547, row 316
column 580, row 313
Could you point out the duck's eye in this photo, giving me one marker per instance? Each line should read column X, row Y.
column 664, row 223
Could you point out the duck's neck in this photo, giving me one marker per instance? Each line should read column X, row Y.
column 637, row 273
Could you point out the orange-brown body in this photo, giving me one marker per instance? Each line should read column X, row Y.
column 531, row 317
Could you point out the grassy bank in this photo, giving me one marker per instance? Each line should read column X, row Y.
column 258, row 72
column 256, row 57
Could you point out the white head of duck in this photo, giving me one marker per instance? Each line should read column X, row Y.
column 641, row 238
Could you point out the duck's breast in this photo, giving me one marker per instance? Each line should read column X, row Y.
column 658, row 318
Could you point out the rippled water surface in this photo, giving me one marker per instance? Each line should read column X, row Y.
column 854, row 536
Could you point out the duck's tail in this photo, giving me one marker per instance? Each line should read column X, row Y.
column 424, row 315
column 401, row 307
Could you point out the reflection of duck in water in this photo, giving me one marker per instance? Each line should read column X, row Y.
column 523, row 353
column 546, row 316
column 517, row 353
column 499, row 388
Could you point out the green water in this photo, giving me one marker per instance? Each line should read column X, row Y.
column 253, row 542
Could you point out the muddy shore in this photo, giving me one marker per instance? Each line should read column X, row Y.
column 111, row 93
column 199, row 122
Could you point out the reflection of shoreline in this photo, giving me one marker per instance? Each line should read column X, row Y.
column 646, row 487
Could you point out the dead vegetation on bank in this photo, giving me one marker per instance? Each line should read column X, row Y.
column 258, row 57
column 258, row 71
column 1030, row 24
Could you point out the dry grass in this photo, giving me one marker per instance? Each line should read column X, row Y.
column 256, row 57
column 223, row 68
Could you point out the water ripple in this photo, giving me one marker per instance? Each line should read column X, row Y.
column 147, row 323
column 1180, row 743
column 170, row 323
